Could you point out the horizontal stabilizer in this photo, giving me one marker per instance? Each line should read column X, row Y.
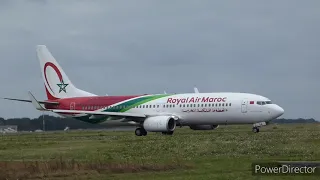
column 100, row 113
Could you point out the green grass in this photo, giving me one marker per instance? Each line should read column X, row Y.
column 225, row 153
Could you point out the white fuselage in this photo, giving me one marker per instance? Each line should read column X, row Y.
column 212, row 108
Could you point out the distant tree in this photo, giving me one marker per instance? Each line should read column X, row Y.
column 2, row 121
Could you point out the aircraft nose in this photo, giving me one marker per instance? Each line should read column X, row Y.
column 278, row 111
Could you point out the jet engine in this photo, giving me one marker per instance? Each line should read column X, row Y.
column 203, row 127
column 159, row 124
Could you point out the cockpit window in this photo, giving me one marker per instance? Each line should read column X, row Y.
column 263, row 102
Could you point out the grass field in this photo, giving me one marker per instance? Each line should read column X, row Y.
column 225, row 153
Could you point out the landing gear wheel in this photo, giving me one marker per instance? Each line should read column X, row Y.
column 168, row 133
column 255, row 129
column 140, row 132
column 144, row 132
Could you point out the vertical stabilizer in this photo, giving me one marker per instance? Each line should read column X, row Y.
column 57, row 83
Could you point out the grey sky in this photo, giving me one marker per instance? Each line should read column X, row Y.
column 270, row 47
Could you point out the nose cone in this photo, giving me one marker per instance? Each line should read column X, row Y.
column 277, row 111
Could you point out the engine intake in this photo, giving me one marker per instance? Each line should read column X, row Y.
column 159, row 124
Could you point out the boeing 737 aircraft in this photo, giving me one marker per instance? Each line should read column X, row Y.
column 151, row 112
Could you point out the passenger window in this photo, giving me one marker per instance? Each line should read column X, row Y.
column 226, row 104
column 222, row 104
column 219, row 104
column 173, row 105
column 198, row 105
column 229, row 104
column 157, row 106
column 154, row 106
column 187, row 105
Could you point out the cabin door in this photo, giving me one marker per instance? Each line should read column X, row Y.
column 244, row 106
column 72, row 106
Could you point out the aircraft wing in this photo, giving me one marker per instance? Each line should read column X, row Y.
column 25, row 100
column 99, row 113
column 36, row 104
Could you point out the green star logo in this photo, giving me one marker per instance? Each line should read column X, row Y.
column 62, row 86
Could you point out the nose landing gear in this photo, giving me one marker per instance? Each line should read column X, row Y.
column 255, row 129
column 256, row 126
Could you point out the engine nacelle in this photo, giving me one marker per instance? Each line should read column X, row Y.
column 159, row 124
column 203, row 127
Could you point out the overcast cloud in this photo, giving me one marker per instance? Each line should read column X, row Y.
column 120, row 47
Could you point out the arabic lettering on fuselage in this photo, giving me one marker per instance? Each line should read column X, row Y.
column 196, row 100
column 204, row 110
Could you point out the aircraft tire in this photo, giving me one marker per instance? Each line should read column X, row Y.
column 255, row 129
column 140, row 132
column 168, row 133
column 144, row 132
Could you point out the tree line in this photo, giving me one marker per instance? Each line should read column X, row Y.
column 53, row 123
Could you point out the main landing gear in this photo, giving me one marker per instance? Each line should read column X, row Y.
column 141, row 132
column 168, row 133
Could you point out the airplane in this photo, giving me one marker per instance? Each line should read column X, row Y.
column 149, row 112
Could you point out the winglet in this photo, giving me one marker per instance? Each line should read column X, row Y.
column 35, row 103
